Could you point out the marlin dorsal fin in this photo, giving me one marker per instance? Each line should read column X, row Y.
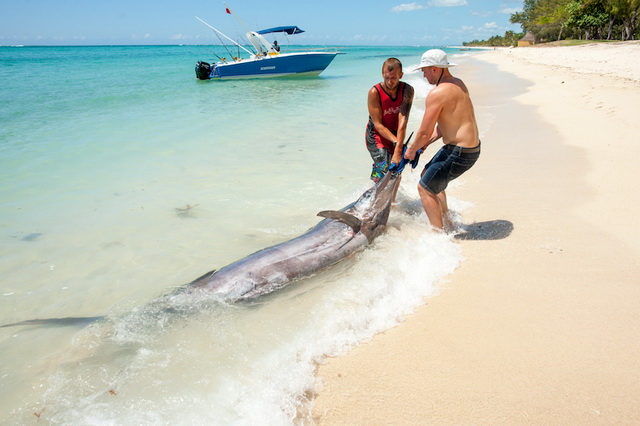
column 343, row 217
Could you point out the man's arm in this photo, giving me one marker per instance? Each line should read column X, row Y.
column 428, row 131
column 403, row 119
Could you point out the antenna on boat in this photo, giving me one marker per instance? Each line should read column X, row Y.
column 223, row 35
column 237, row 18
column 261, row 45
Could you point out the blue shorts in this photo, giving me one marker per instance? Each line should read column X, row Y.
column 448, row 163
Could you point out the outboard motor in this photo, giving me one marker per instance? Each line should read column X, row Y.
column 203, row 70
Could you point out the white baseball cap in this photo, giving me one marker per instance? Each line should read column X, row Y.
column 434, row 58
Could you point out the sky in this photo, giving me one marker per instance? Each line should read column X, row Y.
column 326, row 22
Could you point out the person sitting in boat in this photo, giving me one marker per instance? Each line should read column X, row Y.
column 389, row 105
column 276, row 45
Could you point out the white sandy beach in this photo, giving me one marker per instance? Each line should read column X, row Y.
column 541, row 323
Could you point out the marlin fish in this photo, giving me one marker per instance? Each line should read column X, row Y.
column 340, row 234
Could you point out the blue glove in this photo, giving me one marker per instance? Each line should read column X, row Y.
column 398, row 168
column 414, row 162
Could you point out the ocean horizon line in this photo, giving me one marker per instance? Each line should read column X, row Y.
column 217, row 44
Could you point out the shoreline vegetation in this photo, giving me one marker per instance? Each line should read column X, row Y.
column 556, row 20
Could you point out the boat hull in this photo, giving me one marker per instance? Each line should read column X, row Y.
column 286, row 64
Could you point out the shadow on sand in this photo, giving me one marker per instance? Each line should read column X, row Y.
column 489, row 230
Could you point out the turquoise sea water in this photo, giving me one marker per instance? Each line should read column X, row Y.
column 123, row 177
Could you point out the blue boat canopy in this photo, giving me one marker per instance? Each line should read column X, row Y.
column 288, row 30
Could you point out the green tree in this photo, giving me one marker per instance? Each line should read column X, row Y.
column 551, row 15
column 626, row 12
column 558, row 19
column 546, row 19
column 510, row 38
column 587, row 15
column 524, row 18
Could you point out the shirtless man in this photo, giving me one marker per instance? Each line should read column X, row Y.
column 448, row 115
column 389, row 104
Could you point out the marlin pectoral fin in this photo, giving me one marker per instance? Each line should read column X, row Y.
column 203, row 279
column 343, row 217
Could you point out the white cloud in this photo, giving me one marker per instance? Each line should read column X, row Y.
column 447, row 3
column 510, row 10
column 138, row 37
column 490, row 25
column 370, row 38
column 424, row 38
column 407, row 7
column 481, row 13
column 466, row 28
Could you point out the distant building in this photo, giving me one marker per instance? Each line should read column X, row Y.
column 528, row 40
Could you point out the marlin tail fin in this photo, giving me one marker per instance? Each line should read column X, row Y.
column 56, row 321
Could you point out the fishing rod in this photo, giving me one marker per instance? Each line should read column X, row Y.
column 225, row 48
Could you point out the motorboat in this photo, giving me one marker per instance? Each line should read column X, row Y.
column 266, row 59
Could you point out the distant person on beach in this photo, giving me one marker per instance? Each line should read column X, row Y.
column 389, row 104
column 448, row 115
